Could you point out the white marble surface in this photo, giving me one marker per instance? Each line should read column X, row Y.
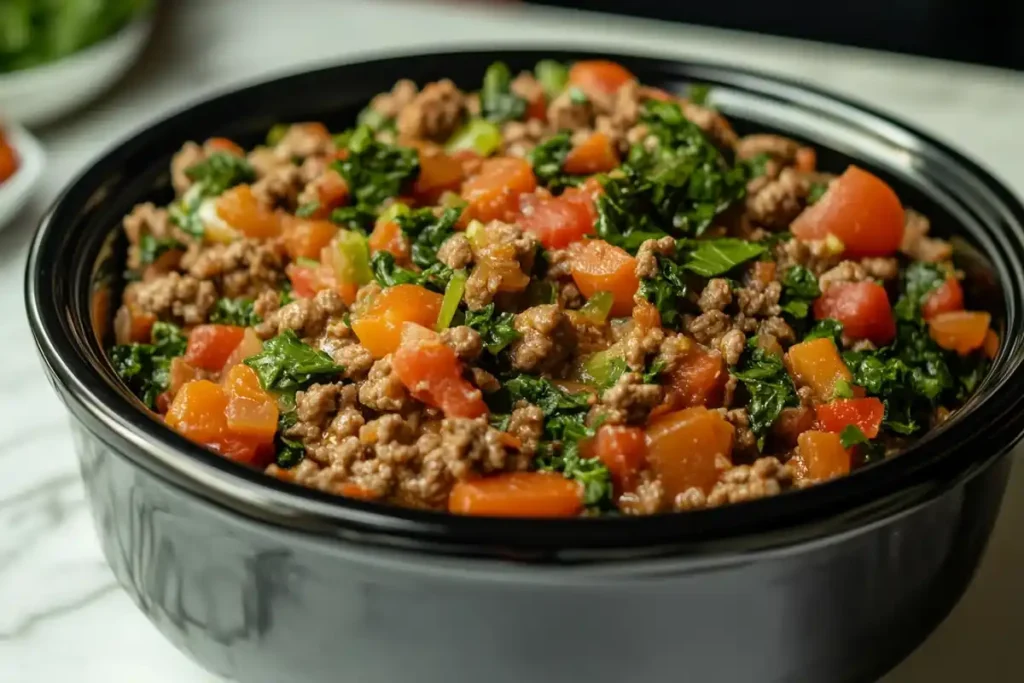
column 62, row 618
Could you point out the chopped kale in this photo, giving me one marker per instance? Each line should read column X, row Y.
column 286, row 296
column 145, row 367
column 547, row 160
column 711, row 258
column 842, row 389
column 919, row 280
column 289, row 452
column 427, row 232
column 666, row 290
column 358, row 218
column 769, row 386
column 308, row 209
column 799, row 290
column 852, row 436
column 829, row 328
column 373, row 170
column 286, row 364
column 497, row 101
column 374, row 120
column 756, row 166
column 552, row 77
column 653, row 371
column 816, row 192
column 151, row 248
column 592, row 474
column 495, row 329
column 220, row 171
column 235, row 312
column 388, row 273
column 545, row 395
column 698, row 93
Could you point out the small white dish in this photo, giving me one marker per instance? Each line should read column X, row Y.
column 43, row 93
column 16, row 190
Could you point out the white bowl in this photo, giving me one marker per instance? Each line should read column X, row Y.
column 43, row 93
column 17, row 189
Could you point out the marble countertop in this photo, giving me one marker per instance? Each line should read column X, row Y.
column 63, row 618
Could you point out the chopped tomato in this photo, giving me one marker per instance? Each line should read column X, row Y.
column 600, row 267
column 688, row 448
column 388, row 236
column 698, row 379
column 863, row 309
column 599, row 76
column 764, row 271
column 817, row 364
column 949, row 296
column 537, row 108
column 8, row 159
column 517, row 494
column 556, row 221
column 646, row 315
column 305, row 280
column 432, row 373
column 960, row 331
column 596, row 154
column 863, row 413
column 623, row 450
column 251, row 411
column 820, row 455
column 493, row 193
column 439, row 173
column 132, row 326
column 210, row 345
column 250, row 346
column 239, row 208
column 224, row 145
column 806, row 159
column 331, row 192
column 199, row 413
column 861, row 210
column 305, row 238
column 378, row 323
column 585, row 197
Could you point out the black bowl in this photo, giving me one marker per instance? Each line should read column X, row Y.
column 260, row 580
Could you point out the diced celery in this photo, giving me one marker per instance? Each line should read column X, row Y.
column 304, row 262
column 475, row 233
column 478, row 135
column 352, row 262
column 452, row 297
column 277, row 133
column 392, row 212
column 552, row 76
column 598, row 307
column 603, row 368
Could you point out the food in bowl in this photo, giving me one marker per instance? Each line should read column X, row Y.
column 565, row 294
column 8, row 158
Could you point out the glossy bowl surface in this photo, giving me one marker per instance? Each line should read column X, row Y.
column 883, row 553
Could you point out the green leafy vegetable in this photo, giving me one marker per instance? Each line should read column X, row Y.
column 666, row 290
column 145, row 368
column 919, row 280
column 842, row 389
column 151, row 248
column 373, row 170
column 591, row 473
column 769, row 386
column 799, row 290
column 552, row 76
column 277, row 133
column 547, row 160
column 710, row 258
column 698, row 93
column 816, row 192
column 358, row 218
column 388, row 273
column 654, row 370
column 603, row 368
column 478, row 135
column 829, row 328
column 427, row 232
column 289, row 452
column 598, row 307
column 853, row 436
column 286, row 364
column 220, row 171
column 374, row 120
column 497, row 101
column 496, row 329
column 235, row 312
column 545, row 395
column 756, row 166
column 308, row 209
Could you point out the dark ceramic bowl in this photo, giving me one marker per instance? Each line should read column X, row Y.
column 263, row 581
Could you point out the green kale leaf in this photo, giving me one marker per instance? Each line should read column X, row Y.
column 497, row 101
column 286, row 364
column 496, row 329
column 427, row 232
column 151, row 248
column 388, row 273
column 799, row 290
column 235, row 312
column 919, row 280
column 769, row 386
column 289, row 452
column 666, row 290
column 145, row 368
column 220, row 171
column 711, row 258
column 373, row 170
column 829, row 328
column 547, row 160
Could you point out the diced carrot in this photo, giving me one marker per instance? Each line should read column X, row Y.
column 863, row 413
column 493, row 193
column 698, row 379
column 517, row 494
column 238, row 207
column 378, row 324
column 132, row 326
column 250, row 346
column 199, row 411
column 806, row 159
column 388, row 236
column 600, row 267
column 991, row 345
column 209, row 346
column 350, row 489
column 623, row 450
column 687, row 449
column 8, row 159
column 251, row 411
column 599, row 76
column 960, row 331
column 305, row 238
column 822, row 455
column 432, row 373
column 863, row 309
column 947, row 297
column 596, row 154
column 861, row 210
column 224, row 145
column 439, row 173
column 556, row 221
column 331, row 192
column 817, row 364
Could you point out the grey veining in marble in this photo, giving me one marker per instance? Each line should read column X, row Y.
column 62, row 618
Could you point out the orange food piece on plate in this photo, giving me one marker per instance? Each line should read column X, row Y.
column 596, row 154
column 822, row 456
column 432, row 373
column 623, row 450
column 517, row 494
column 305, row 238
column 863, row 309
column 493, row 193
column 864, row 413
column 209, row 346
column 601, row 267
column 818, row 365
column 238, row 207
column 378, row 323
column 599, row 76
column 960, row 331
column 687, row 449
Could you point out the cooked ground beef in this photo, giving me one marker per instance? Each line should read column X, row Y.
column 422, row 363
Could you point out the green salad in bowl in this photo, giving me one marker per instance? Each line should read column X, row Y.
column 37, row 32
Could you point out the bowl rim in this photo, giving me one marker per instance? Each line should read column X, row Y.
column 863, row 497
